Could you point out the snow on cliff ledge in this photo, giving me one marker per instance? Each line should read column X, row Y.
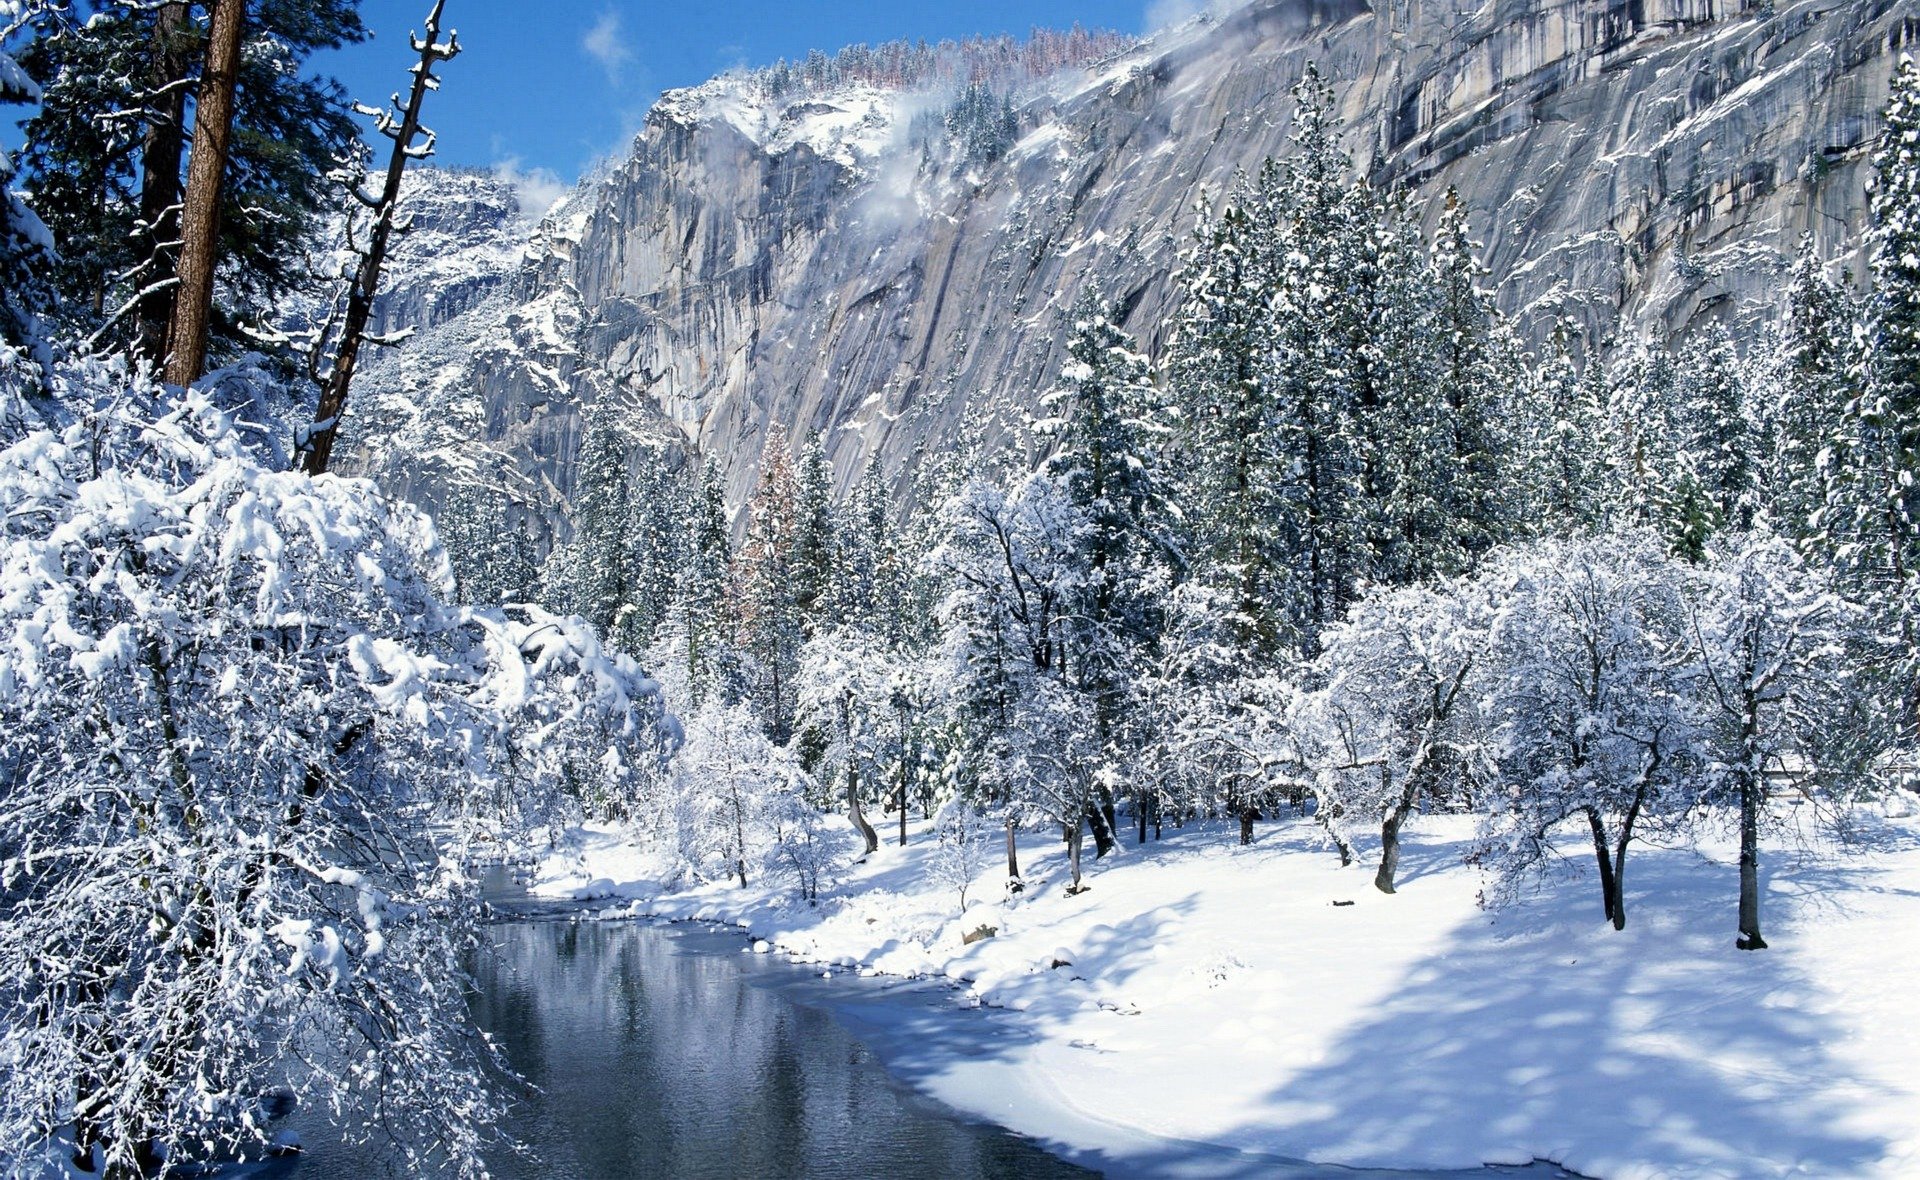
column 851, row 125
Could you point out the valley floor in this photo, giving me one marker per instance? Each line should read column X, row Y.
column 1216, row 997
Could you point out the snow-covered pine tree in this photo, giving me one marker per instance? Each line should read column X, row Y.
column 1476, row 382
column 1715, row 440
column 703, row 608
column 1564, row 481
column 597, row 573
column 1215, row 369
column 25, row 246
column 813, row 537
column 768, row 611
column 1655, row 488
column 1101, row 421
column 1873, row 514
column 864, row 596
column 1322, row 304
column 657, row 533
column 1808, row 382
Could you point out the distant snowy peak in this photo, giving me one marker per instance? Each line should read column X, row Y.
column 849, row 125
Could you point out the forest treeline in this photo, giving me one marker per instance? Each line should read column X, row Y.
column 1347, row 547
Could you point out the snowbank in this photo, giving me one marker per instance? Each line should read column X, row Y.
column 1204, row 996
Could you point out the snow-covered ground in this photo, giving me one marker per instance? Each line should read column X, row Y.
column 1210, row 994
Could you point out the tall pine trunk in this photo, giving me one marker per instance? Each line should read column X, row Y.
column 1013, row 859
column 200, row 216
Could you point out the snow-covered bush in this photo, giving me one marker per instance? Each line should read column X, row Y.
column 739, row 803
column 1394, row 721
column 239, row 734
column 1592, row 688
column 959, row 854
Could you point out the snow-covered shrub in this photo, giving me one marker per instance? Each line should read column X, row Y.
column 239, row 733
column 578, row 729
column 960, row 854
column 739, row 803
column 1393, row 722
column 1591, row 683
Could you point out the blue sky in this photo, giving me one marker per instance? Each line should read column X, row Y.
column 554, row 86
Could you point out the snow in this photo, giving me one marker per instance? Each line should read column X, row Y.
column 1209, row 997
column 851, row 126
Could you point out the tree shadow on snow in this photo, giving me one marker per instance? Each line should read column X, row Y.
column 1541, row 1028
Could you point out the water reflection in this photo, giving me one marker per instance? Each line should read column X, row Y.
column 657, row 1053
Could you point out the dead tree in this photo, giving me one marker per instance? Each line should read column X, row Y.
column 347, row 330
column 200, row 214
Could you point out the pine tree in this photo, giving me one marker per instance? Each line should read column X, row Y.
column 1873, row 517
column 1565, row 480
column 104, row 157
column 764, row 588
column 24, row 242
column 1472, row 510
column 1811, row 381
column 599, row 577
column 1101, row 419
column 813, row 539
column 703, row 606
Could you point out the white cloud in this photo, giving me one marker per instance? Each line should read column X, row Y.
column 537, row 190
column 606, row 43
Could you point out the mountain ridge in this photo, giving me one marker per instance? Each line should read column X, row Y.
column 822, row 262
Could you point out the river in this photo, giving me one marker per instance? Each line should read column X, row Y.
column 664, row 1051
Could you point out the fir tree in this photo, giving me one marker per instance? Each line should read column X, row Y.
column 1873, row 517
column 813, row 539
column 764, row 587
column 703, row 603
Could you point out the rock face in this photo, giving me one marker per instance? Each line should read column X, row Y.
column 819, row 263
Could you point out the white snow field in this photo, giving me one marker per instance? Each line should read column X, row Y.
column 1211, row 996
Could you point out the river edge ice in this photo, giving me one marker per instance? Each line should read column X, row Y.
column 1215, row 1010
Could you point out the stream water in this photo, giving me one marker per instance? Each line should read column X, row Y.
column 667, row 1051
column 662, row 1051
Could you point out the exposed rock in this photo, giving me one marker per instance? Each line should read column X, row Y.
column 810, row 262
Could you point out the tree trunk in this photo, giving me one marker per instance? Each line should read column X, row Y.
column 1609, row 882
column 200, row 216
column 161, row 148
column 1390, row 847
column 1013, row 860
column 1140, row 815
column 867, row 834
column 1101, row 820
column 1750, row 939
column 903, row 805
column 1248, row 815
column 1073, row 855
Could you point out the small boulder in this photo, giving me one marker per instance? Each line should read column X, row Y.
column 977, row 933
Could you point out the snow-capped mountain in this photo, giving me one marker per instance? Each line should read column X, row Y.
column 839, row 255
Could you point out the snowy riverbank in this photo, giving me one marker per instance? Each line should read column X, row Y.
column 1219, row 995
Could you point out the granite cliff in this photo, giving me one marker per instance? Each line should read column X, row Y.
column 819, row 260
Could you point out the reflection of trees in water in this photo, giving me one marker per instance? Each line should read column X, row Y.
column 662, row 1062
